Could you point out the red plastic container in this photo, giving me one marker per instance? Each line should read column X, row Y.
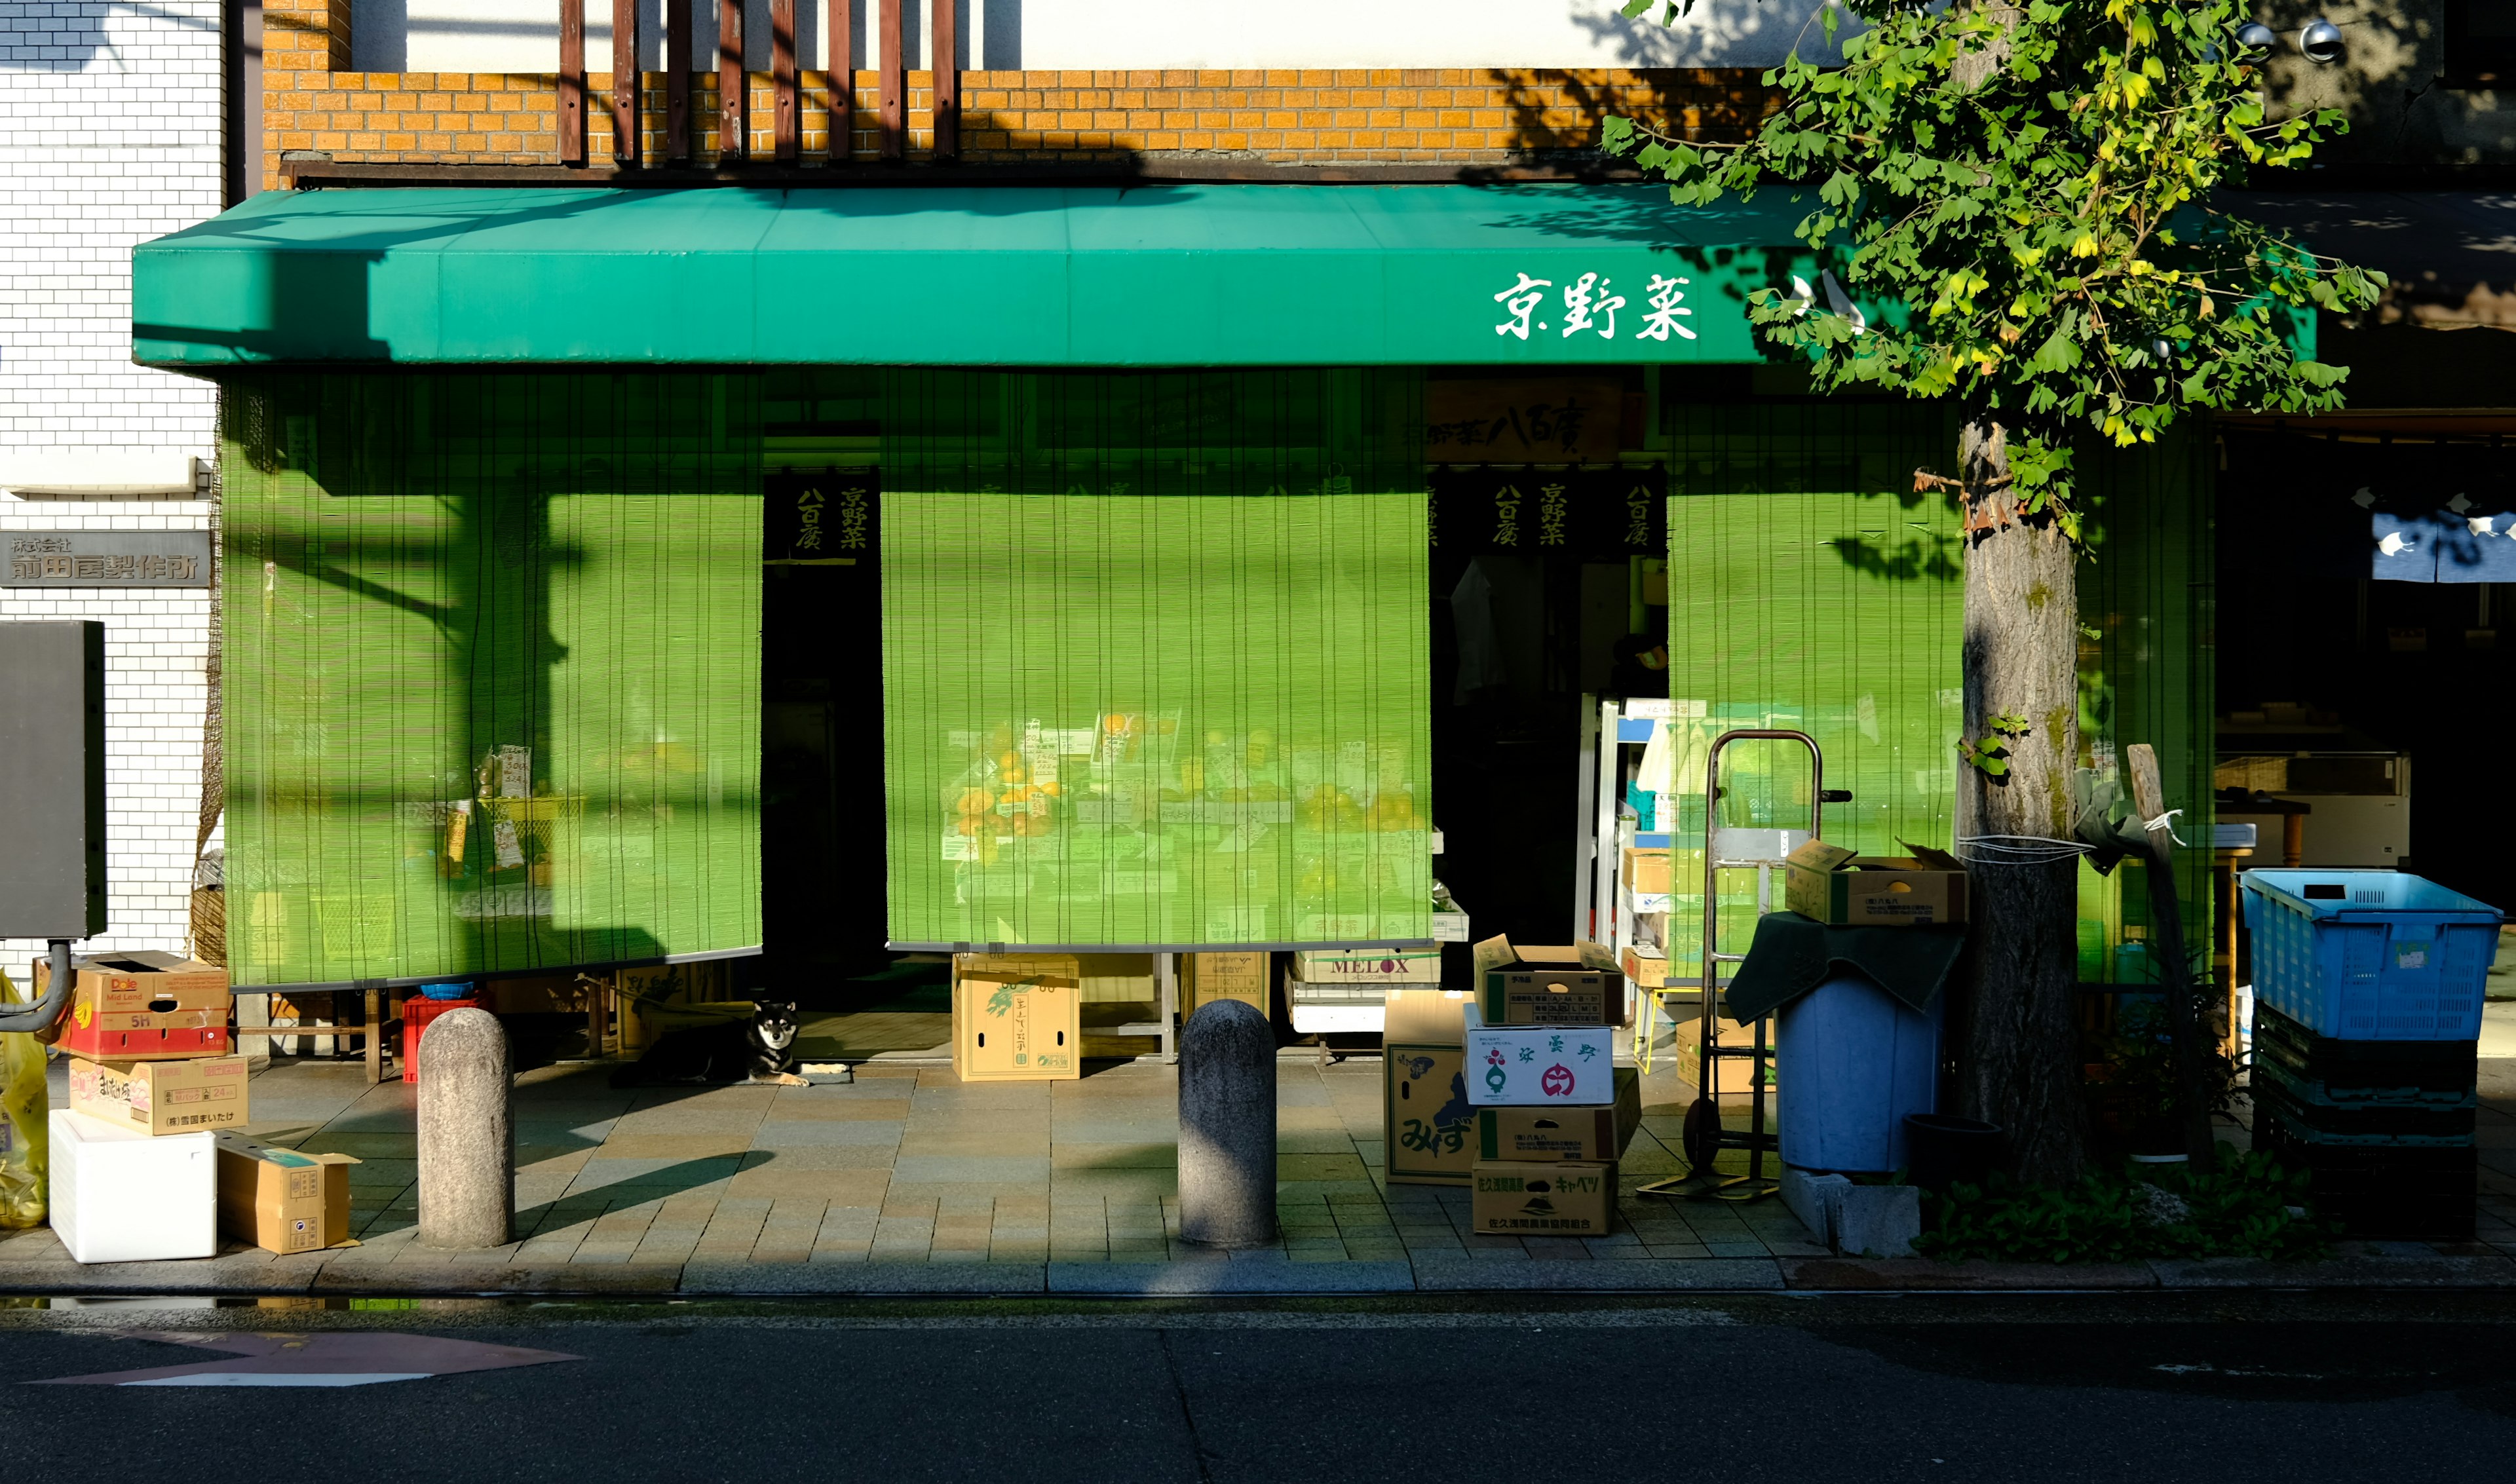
column 416, row 1012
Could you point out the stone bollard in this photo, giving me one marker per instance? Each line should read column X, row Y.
column 467, row 1133
column 1227, row 1147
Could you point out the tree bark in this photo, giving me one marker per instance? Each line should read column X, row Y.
column 2020, row 1065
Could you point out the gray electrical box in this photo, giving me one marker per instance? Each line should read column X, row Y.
column 52, row 780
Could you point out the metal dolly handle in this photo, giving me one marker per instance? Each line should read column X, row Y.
column 1704, row 1136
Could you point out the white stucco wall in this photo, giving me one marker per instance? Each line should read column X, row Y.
column 523, row 35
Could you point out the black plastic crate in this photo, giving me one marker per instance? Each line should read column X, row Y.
column 2409, row 1066
column 2373, row 1110
column 2416, row 1192
column 2378, row 1122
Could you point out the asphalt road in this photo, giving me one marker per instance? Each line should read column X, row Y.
column 2256, row 1387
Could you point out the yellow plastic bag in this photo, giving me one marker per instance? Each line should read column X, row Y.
column 25, row 1130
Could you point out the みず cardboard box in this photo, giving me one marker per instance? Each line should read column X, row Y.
column 1829, row 884
column 1009, row 1025
column 282, row 1201
column 1224, row 976
column 1515, row 1199
column 141, row 1007
column 1577, row 985
column 1538, row 1066
column 1596, row 1134
column 1426, row 1122
column 154, row 1097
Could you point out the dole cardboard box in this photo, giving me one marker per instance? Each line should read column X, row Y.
column 280, row 1200
column 1593, row 1135
column 1017, row 1018
column 1513, row 1198
column 142, row 1005
column 1579, row 985
column 205, row 1092
column 1427, row 1126
column 1240, row 976
column 1829, row 884
column 1539, row 1066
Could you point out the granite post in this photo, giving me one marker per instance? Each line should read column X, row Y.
column 467, row 1133
column 1227, row 1147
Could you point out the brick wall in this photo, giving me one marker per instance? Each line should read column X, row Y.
column 312, row 103
column 110, row 134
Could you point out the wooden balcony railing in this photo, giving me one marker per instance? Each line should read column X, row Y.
column 733, row 121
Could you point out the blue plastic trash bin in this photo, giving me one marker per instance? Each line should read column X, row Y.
column 1850, row 1061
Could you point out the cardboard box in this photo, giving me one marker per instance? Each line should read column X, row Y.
column 1513, row 1198
column 1224, row 976
column 121, row 1195
column 1579, row 985
column 1370, row 966
column 142, row 1006
column 1539, row 1066
column 1014, row 1025
column 1644, row 966
column 1646, row 870
column 1829, row 884
column 1426, row 1122
column 1597, row 1133
column 282, row 1201
column 1098, row 978
column 155, row 1097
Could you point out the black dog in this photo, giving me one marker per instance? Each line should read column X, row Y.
column 759, row 1050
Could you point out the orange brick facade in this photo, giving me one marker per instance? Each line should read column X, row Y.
column 313, row 102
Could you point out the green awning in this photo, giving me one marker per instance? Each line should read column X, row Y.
column 965, row 276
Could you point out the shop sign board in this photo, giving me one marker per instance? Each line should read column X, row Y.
column 1599, row 513
column 106, row 559
column 827, row 518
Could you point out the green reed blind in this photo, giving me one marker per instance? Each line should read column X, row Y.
column 2147, row 672
column 1154, row 661
column 492, row 672
column 1810, row 590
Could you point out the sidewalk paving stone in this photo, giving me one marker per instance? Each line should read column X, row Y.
column 909, row 1181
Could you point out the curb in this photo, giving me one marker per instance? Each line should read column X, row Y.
column 1238, row 1278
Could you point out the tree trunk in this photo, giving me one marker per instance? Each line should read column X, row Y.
column 2019, row 1063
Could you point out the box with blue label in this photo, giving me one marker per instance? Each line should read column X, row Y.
column 281, row 1200
column 1538, row 1066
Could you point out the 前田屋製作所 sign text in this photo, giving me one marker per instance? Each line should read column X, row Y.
column 105, row 559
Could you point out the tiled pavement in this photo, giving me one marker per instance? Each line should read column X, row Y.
column 910, row 1180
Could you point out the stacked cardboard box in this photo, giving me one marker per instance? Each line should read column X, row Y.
column 149, row 1043
column 1240, row 976
column 1327, row 991
column 1017, row 1017
column 151, row 1076
column 1552, row 1111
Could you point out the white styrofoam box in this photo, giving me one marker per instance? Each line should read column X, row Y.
column 120, row 1196
column 1535, row 1066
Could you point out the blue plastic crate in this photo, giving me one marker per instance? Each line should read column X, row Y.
column 2370, row 955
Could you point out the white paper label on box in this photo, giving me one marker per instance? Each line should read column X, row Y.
column 1533, row 1066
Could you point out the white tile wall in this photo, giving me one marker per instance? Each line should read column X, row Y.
column 110, row 134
